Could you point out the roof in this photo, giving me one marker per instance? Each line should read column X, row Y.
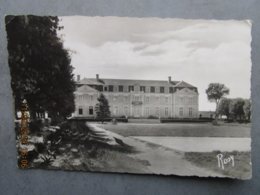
column 183, row 84
column 87, row 81
column 85, row 88
column 128, row 82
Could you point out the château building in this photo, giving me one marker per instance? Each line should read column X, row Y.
column 137, row 98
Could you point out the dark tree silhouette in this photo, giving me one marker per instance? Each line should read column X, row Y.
column 102, row 108
column 40, row 67
column 237, row 108
column 247, row 109
column 224, row 107
column 215, row 92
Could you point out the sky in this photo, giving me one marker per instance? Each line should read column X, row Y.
column 196, row 51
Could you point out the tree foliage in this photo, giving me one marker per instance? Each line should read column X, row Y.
column 215, row 92
column 224, row 107
column 40, row 67
column 247, row 109
column 235, row 109
column 102, row 108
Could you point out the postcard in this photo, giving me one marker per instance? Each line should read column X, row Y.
column 163, row 96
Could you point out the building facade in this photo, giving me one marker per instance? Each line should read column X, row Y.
column 137, row 98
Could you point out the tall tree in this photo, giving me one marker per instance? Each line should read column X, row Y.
column 224, row 107
column 237, row 108
column 40, row 67
column 247, row 109
column 215, row 92
column 102, row 108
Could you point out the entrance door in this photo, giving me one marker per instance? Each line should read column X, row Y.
column 137, row 111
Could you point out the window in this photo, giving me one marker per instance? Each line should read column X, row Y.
column 100, row 88
column 166, row 111
column 182, row 100
column 190, row 111
column 111, row 88
column 190, row 100
column 147, row 99
column 116, row 110
column 90, row 110
column 152, row 89
column 146, row 111
column 120, row 88
column 195, row 100
column 105, row 88
column 181, row 111
column 115, row 98
column 126, row 111
column 130, row 88
column 171, row 89
column 161, row 89
column 142, row 88
column 80, row 111
column 136, row 98
column 157, row 111
column 166, row 99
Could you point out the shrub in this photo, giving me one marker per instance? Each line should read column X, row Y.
column 35, row 126
column 152, row 117
column 215, row 123
column 40, row 147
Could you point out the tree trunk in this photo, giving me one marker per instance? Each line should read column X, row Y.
column 216, row 111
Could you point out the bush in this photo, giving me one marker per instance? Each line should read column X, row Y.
column 40, row 147
column 215, row 123
column 152, row 117
column 35, row 126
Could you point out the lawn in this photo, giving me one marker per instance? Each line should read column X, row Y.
column 180, row 129
column 80, row 147
column 205, row 160
column 242, row 163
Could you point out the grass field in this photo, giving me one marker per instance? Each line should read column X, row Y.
column 187, row 132
column 180, row 129
column 208, row 160
column 175, row 149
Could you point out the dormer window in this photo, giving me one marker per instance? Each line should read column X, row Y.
column 110, row 88
column 171, row 89
column 161, row 89
column 120, row 88
column 99, row 88
column 130, row 88
column 142, row 88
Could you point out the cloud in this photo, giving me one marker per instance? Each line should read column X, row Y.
column 196, row 51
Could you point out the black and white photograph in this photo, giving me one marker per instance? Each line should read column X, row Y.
column 163, row 96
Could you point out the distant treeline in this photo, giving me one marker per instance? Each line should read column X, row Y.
column 235, row 109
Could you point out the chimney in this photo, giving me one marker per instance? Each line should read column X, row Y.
column 169, row 79
column 78, row 77
column 97, row 77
